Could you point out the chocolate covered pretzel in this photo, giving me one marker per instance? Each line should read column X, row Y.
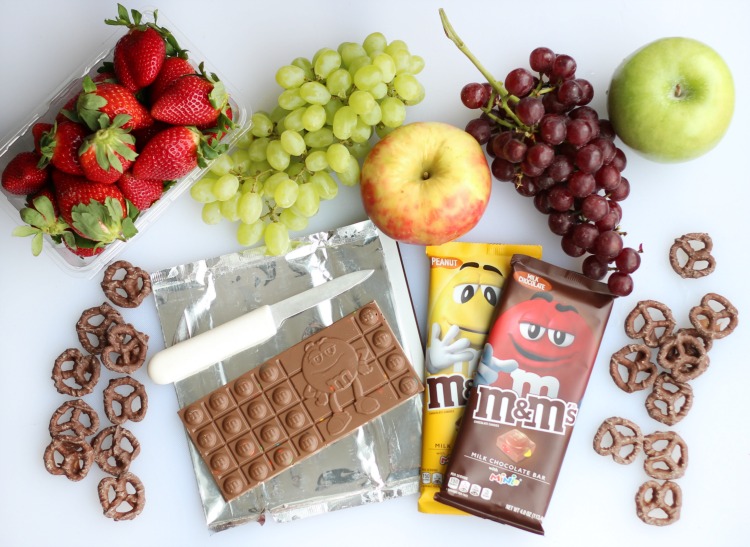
column 68, row 456
column 74, row 419
column 670, row 400
column 684, row 355
column 122, row 497
column 690, row 256
column 619, row 438
column 126, row 285
column 715, row 317
column 75, row 374
column 658, row 503
column 128, row 346
column 631, row 368
column 666, row 455
column 650, row 321
column 125, row 399
column 114, row 448
column 93, row 325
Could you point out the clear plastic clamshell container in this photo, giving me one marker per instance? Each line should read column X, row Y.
column 22, row 140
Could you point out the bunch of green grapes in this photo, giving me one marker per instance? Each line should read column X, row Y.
column 315, row 138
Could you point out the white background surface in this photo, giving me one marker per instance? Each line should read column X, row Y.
column 42, row 41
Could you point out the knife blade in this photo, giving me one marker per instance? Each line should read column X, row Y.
column 255, row 327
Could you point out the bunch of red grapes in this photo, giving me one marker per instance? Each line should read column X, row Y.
column 542, row 137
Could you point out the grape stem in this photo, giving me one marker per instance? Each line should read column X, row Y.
column 497, row 86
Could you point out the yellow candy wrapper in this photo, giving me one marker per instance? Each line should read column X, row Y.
column 465, row 284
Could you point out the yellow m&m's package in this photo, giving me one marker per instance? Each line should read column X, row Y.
column 465, row 284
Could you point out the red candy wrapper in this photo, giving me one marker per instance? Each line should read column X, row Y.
column 528, row 388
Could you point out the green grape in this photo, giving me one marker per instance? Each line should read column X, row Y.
column 407, row 86
column 418, row 99
column 259, row 170
column 240, row 160
column 293, row 120
column 262, row 124
column 383, row 130
column 305, row 65
column 290, row 76
column 373, row 116
column 379, row 91
column 350, row 176
column 358, row 63
column 277, row 114
column 350, row 51
column 286, row 193
column 296, row 168
column 211, row 212
column 225, row 186
column 221, row 165
column 250, row 234
column 277, row 156
column 331, row 107
column 361, row 101
column 367, row 77
column 374, row 42
column 292, row 220
column 308, row 202
column 257, row 150
column 386, row 64
column 396, row 46
column 289, row 99
column 276, row 237
column 315, row 93
column 228, row 208
column 245, row 140
column 344, row 122
column 362, row 131
column 292, row 143
column 314, row 117
column 320, row 138
column 326, row 62
column 249, row 207
column 359, row 149
column 324, row 185
column 393, row 112
column 337, row 156
column 416, row 64
column 202, row 190
column 272, row 182
column 316, row 161
column 338, row 82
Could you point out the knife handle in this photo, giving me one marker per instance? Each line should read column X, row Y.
column 200, row 352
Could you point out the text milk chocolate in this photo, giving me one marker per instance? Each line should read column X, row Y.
column 529, row 383
column 465, row 283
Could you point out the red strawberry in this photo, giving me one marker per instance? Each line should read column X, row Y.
column 108, row 153
column 93, row 210
column 110, row 99
column 193, row 99
column 140, row 54
column 214, row 133
column 49, row 192
column 37, row 130
column 83, row 247
column 173, row 68
column 140, row 192
column 173, row 153
column 142, row 136
column 23, row 176
column 59, row 146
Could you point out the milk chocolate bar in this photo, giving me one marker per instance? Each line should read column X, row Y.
column 307, row 397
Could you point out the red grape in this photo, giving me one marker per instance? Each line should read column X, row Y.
column 541, row 59
column 620, row 284
column 519, row 82
column 474, row 95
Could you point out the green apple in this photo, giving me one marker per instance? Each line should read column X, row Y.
column 672, row 100
column 426, row 183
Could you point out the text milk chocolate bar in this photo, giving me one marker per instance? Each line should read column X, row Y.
column 293, row 405
column 529, row 383
column 465, row 284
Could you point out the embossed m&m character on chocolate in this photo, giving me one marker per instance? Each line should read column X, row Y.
column 541, row 346
column 330, row 366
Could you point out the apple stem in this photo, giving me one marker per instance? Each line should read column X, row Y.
column 496, row 85
column 677, row 91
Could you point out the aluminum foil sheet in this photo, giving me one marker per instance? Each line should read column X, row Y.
column 377, row 462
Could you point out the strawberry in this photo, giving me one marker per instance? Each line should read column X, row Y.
column 142, row 193
column 59, row 146
column 214, row 133
column 42, row 217
column 49, row 192
column 173, row 68
column 173, row 153
column 108, row 153
column 93, row 210
column 142, row 136
column 193, row 99
column 140, row 54
column 37, row 130
column 23, row 176
column 110, row 99
column 83, row 247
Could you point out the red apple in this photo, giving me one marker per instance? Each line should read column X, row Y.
column 426, row 183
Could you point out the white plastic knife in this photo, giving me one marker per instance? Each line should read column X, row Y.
column 200, row 352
